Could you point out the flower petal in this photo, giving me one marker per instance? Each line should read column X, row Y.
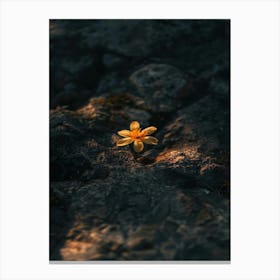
column 124, row 141
column 134, row 125
column 150, row 140
column 138, row 146
column 124, row 133
column 149, row 130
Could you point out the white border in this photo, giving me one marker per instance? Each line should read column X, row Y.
column 255, row 138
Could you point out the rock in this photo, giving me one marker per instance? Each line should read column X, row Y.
column 156, row 82
column 76, row 76
column 97, row 172
column 110, row 84
column 139, row 243
column 71, row 87
column 111, row 61
column 134, row 38
column 215, row 176
column 142, row 116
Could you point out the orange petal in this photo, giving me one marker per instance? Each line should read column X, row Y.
column 124, row 141
column 150, row 140
column 134, row 125
column 124, row 133
column 149, row 130
column 138, row 146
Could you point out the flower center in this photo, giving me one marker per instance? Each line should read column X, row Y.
column 136, row 135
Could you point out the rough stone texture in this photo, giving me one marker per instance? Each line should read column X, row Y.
column 170, row 202
column 158, row 81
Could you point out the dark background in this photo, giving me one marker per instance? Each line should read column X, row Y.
column 170, row 202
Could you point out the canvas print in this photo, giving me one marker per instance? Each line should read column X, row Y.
column 139, row 140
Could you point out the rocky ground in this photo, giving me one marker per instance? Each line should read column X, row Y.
column 170, row 202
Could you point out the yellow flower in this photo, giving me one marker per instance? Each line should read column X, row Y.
column 138, row 136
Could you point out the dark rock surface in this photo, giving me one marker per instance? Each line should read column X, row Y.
column 170, row 202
